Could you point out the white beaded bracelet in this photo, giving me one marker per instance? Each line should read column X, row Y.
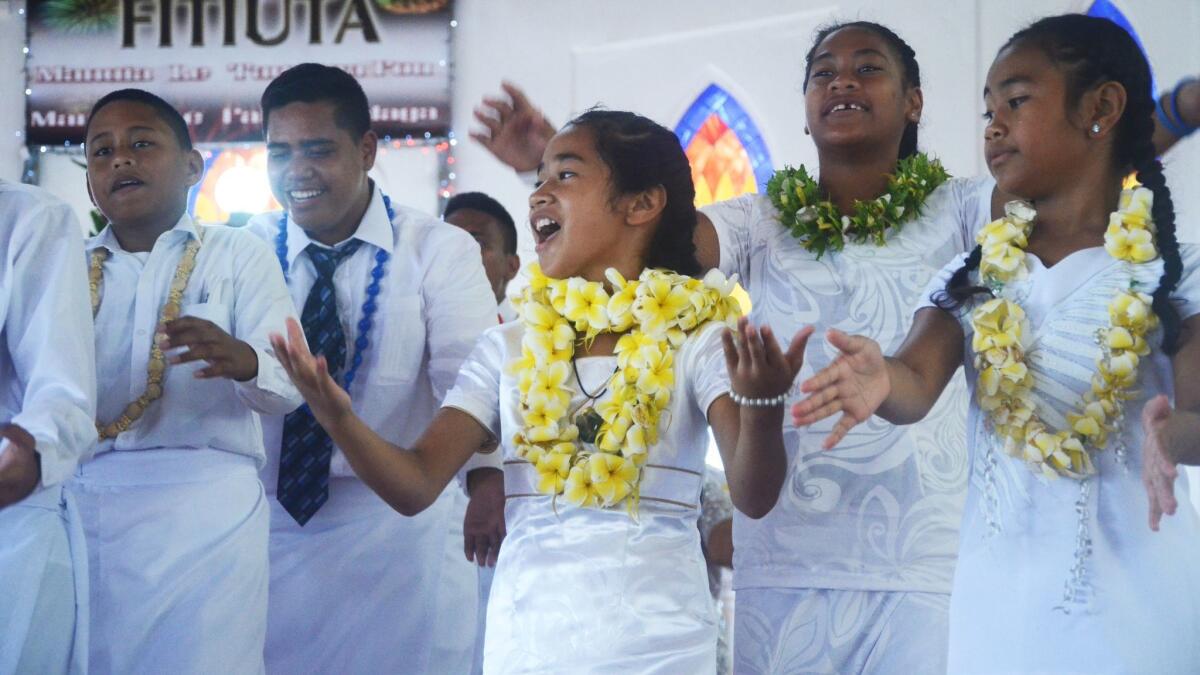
column 747, row 402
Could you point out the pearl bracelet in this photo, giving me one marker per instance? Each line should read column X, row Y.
column 747, row 402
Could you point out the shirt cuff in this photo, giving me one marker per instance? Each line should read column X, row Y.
column 481, row 411
column 270, row 391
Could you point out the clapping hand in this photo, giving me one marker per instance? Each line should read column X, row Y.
column 855, row 384
column 757, row 367
column 310, row 374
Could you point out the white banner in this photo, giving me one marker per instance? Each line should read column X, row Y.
column 213, row 58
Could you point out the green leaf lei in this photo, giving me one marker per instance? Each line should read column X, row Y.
column 818, row 225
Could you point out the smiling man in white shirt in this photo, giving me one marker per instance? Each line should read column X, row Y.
column 173, row 510
column 394, row 299
column 47, row 404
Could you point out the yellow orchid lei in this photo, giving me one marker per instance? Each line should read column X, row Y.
column 656, row 312
column 1005, row 385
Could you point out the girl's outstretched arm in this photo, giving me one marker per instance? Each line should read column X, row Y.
column 901, row 389
column 407, row 479
column 750, row 437
column 1173, row 434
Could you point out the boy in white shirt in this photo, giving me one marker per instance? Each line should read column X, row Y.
column 173, row 510
column 47, row 404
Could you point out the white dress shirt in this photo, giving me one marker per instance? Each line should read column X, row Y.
column 434, row 303
column 47, row 366
column 237, row 285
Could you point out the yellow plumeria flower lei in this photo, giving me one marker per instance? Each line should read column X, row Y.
column 1005, row 386
column 656, row 311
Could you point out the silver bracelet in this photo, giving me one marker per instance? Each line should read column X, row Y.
column 747, row 402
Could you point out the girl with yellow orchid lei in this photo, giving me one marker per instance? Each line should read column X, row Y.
column 616, row 200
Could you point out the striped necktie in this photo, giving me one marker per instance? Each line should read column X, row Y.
column 307, row 448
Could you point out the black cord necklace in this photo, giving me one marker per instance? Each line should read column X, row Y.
column 578, row 380
column 586, row 419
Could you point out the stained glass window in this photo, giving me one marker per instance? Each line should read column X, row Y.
column 727, row 152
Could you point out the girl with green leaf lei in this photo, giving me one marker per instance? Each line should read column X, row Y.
column 851, row 248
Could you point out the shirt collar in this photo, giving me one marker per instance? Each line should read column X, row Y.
column 185, row 228
column 374, row 229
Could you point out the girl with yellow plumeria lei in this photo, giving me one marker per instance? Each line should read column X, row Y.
column 601, row 397
column 1076, row 319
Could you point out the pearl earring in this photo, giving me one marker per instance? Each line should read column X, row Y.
column 1096, row 128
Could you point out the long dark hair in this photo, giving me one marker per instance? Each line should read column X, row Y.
column 642, row 154
column 908, row 59
column 1091, row 51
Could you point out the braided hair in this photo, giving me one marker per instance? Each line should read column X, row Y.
column 908, row 59
column 640, row 155
column 1091, row 51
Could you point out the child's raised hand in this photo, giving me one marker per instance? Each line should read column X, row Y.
column 310, row 374
column 517, row 132
column 757, row 367
column 225, row 355
column 855, row 384
column 1159, row 469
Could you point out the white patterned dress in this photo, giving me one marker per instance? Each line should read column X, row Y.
column 1140, row 611
column 851, row 570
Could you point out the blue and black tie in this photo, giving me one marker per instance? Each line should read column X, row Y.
column 307, row 449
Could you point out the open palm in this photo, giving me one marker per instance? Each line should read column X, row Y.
column 310, row 374
column 855, row 384
column 517, row 132
column 1159, row 469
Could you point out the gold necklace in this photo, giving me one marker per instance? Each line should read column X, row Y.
column 158, row 362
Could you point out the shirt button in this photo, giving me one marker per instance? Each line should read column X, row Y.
column 141, row 332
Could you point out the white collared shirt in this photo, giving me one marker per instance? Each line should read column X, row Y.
column 237, row 285
column 434, row 303
column 47, row 366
